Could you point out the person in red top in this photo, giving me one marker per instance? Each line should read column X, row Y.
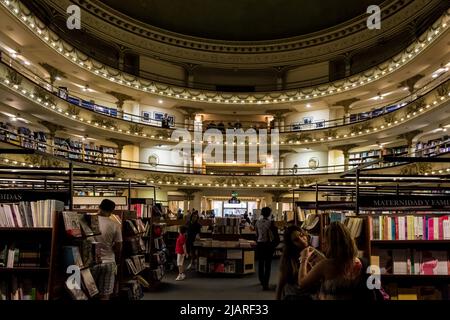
column 180, row 250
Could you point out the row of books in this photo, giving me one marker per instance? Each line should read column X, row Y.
column 228, row 221
column 354, row 225
column 28, row 214
column 411, row 261
column 209, row 243
column 220, row 229
column 23, row 288
column 22, row 136
column 135, row 227
column 417, row 292
column 136, row 264
column 228, row 266
column 142, row 210
column 23, row 255
column 410, row 228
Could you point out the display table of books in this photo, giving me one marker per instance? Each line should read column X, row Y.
column 225, row 257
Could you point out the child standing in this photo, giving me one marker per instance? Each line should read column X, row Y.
column 180, row 250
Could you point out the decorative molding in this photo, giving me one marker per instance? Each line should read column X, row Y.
column 14, row 77
column 409, row 136
column 182, row 93
column 410, row 82
column 52, row 71
column 52, row 127
column 121, row 98
column 118, row 27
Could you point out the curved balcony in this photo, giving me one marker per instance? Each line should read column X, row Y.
column 40, row 92
column 75, row 56
column 255, row 170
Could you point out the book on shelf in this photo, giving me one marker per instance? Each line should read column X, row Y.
column 75, row 290
column 72, row 256
column 23, row 288
column 72, row 224
column 89, row 282
column 131, row 290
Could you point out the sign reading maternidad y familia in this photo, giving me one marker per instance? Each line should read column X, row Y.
column 404, row 202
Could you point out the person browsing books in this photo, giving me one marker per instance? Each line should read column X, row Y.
column 110, row 243
column 180, row 250
column 340, row 273
column 295, row 241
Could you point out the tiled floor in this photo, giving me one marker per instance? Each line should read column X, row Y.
column 201, row 287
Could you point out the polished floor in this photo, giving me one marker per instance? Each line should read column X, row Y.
column 201, row 287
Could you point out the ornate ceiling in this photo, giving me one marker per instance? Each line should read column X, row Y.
column 242, row 20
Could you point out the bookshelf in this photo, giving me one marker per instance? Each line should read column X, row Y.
column 411, row 248
column 134, row 266
column 433, row 147
column 157, row 251
column 232, row 260
column 28, row 255
column 358, row 158
column 226, row 252
column 63, row 147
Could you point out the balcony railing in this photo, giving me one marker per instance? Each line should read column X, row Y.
column 357, row 118
column 106, row 159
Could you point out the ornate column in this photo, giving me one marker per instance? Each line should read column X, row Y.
column 189, row 113
column 52, row 128
column 53, row 72
column 190, row 197
column 121, row 98
column 279, row 117
column 120, row 145
column 346, row 152
column 189, row 74
column 277, row 209
column 410, row 82
column 346, row 108
column 409, row 136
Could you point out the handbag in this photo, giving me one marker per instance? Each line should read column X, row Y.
column 274, row 236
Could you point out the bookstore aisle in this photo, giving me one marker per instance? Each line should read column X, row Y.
column 200, row 287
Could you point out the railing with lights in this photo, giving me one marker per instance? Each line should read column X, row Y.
column 27, row 18
column 232, row 169
column 439, row 77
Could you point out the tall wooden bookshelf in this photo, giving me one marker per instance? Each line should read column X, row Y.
column 410, row 245
column 28, row 250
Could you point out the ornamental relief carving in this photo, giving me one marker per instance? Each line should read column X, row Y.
column 189, row 48
column 189, row 94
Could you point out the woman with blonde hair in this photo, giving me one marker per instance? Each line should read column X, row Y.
column 340, row 274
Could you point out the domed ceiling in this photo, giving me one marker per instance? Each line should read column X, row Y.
column 242, row 20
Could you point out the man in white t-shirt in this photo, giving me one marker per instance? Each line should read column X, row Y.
column 110, row 241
